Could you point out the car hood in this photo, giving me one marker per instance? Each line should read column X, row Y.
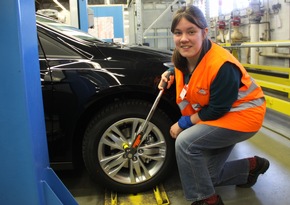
column 142, row 53
column 146, row 49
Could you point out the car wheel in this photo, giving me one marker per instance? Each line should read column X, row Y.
column 112, row 130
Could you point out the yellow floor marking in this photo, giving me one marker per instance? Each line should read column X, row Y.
column 158, row 197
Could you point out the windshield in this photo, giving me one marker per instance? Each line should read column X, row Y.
column 67, row 29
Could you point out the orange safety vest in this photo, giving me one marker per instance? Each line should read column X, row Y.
column 247, row 112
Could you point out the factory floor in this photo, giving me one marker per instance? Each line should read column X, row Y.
column 272, row 188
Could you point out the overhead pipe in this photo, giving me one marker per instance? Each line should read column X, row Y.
column 273, row 44
column 228, row 36
column 275, row 55
column 285, row 43
column 255, row 14
column 268, row 31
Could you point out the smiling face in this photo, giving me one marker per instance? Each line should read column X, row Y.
column 188, row 38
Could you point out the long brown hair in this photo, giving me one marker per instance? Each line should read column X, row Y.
column 194, row 15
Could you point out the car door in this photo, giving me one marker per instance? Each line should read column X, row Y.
column 56, row 61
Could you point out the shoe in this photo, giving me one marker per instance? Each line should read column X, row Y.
column 262, row 166
column 204, row 202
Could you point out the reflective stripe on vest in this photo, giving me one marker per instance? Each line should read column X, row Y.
column 250, row 104
column 243, row 106
column 252, row 87
column 242, row 94
column 183, row 104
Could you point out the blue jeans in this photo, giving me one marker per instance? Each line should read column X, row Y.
column 201, row 153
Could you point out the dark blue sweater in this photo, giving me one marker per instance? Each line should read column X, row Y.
column 223, row 92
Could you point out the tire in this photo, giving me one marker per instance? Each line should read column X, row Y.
column 104, row 154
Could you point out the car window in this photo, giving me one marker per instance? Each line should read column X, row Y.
column 67, row 29
column 55, row 49
column 72, row 31
column 44, row 19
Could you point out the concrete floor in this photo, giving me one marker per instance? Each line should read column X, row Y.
column 271, row 142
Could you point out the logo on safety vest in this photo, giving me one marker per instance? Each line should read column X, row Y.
column 202, row 91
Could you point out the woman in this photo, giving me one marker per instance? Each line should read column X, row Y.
column 221, row 105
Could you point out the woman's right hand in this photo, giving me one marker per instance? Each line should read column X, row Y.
column 166, row 80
